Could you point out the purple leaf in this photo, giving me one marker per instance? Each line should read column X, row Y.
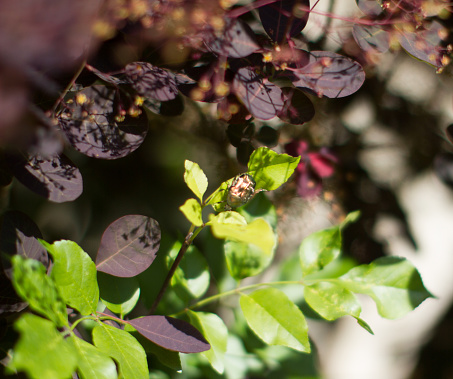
column 371, row 37
column 171, row 333
column 151, row 82
column 98, row 125
column 236, row 41
column 9, row 300
column 262, row 98
column 298, row 108
column 128, row 246
column 18, row 235
column 55, row 178
column 370, row 7
column 329, row 74
column 284, row 19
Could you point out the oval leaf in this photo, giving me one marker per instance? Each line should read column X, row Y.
column 128, row 246
column 97, row 124
column 171, row 333
column 370, row 37
column 192, row 210
column 75, row 275
column 195, row 179
column 329, row 74
column 120, row 295
column 298, row 108
column 276, row 319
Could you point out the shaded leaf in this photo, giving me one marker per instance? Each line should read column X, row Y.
column 32, row 284
column 236, row 40
column 276, row 319
column 124, row 348
column 120, row 295
column 284, row 19
column 10, row 302
column 216, row 333
column 75, row 275
column 297, row 108
column 151, row 82
column 56, row 178
column 262, row 98
column 195, row 179
column 92, row 363
column 128, row 246
column 19, row 235
column 331, row 300
column 370, row 37
column 97, row 123
column 171, row 333
column 41, row 350
column 244, row 151
column 392, row 282
column 268, row 136
column 329, row 74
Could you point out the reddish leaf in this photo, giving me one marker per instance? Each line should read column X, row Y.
column 151, row 82
column 371, row 37
column 236, row 41
column 284, row 19
column 370, row 7
column 97, row 124
column 55, row 178
column 298, row 108
column 329, row 74
column 171, row 333
column 128, row 246
column 262, row 98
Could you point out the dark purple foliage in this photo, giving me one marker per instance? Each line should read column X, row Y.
column 171, row 334
column 55, row 178
column 298, row 108
column 284, row 19
column 128, row 246
column 370, row 37
column 98, row 123
column 313, row 167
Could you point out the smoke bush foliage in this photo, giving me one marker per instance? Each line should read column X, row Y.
column 92, row 78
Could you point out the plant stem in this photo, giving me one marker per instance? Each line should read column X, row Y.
column 187, row 242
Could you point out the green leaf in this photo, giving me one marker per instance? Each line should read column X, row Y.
column 120, row 295
column 216, row 333
column 93, row 364
column 195, row 179
column 31, row 283
column 191, row 278
column 331, row 300
column 232, row 226
column 276, row 319
column 319, row 249
column 392, row 282
column 41, row 351
column 192, row 210
column 75, row 275
column 270, row 169
column 124, row 348
column 364, row 325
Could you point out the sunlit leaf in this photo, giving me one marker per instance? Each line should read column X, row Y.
column 192, row 211
column 370, row 7
column 32, row 284
column 216, row 333
column 75, row 275
column 262, row 98
column 171, row 333
column 392, row 282
column 195, row 179
column 128, row 246
column 98, row 124
column 125, row 349
column 55, row 178
column 41, row 350
column 370, row 37
column 329, row 74
column 120, row 295
column 270, row 169
column 276, row 319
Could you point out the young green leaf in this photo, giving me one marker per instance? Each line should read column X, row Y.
column 331, row 300
column 392, row 282
column 216, row 333
column 33, row 285
column 124, row 348
column 270, row 169
column 276, row 319
column 41, row 350
column 92, row 363
column 319, row 249
column 120, row 295
column 232, row 226
column 192, row 210
column 75, row 275
column 195, row 179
